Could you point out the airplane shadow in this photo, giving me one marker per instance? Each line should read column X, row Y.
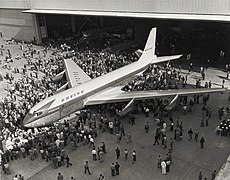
column 196, row 77
column 217, row 84
column 223, row 77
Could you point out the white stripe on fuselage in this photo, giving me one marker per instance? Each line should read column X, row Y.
column 99, row 84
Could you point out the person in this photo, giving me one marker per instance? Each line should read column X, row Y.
column 159, row 161
column 118, row 152
column 126, row 154
column 60, row 176
column 68, row 161
column 129, row 137
column 164, row 142
column 101, row 177
column 196, row 133
column 156, row 140
column 147, row 127
column 147, row 112
column 16, row 177
column 202, row 142
column 163, row 167
column 202, row 122
column 111, row 127
column 21, row 177
column 190, row 133
column 168, row 165
column 200, row 176
column 103, row 147
column 117, row 167
column 7, row 169
column 118, row 137
column 94, row 153
column 72, row 178
column 171, row 125
column 122, row 130
column 213, row 175
column 101, row 155
column 134, row 156
column 112, row 169
column 86, row 166
column 206, row 121
column 132, row 119
column 91, row 142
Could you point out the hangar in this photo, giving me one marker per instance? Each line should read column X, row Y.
column 205, row 24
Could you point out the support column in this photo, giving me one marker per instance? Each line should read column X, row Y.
column 73, row 24
column 101, row 22
column 42, row 25
column 227, row 46
column 37, row 30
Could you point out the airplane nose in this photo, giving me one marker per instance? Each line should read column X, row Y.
column 27, row 120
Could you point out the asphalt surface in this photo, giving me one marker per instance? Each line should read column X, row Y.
column 188, row 157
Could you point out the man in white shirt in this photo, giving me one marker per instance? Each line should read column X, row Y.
column 94, row 153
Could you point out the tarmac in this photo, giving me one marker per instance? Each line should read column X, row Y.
column 188, row 159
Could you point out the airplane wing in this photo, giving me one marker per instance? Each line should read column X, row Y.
column 74, row 74
column 115, row 94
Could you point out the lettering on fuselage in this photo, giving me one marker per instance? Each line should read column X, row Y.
column 72, row 96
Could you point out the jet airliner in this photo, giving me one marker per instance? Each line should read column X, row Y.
column 84, row 91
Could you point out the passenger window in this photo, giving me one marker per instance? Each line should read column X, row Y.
column 67, row 97
column 62, row 100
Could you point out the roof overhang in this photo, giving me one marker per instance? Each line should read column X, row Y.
column 181, row 16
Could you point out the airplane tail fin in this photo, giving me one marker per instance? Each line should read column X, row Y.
column 151, row 42
column 148, row 54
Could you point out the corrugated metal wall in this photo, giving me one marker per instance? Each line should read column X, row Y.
column 14, row 23
column 163, row 6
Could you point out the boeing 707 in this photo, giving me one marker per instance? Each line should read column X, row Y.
column 85, row 91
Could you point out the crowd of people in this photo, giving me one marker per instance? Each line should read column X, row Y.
column 158, row 78
column 18, row 142
column 51, row 143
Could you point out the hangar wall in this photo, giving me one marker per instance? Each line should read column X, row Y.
column 20, row 26
column 221, row 7
column 14, row 23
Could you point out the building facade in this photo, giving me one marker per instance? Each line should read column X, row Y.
column 14, row 22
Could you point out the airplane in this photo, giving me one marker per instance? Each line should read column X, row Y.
column 84, row 91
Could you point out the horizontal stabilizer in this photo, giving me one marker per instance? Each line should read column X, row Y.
column 165, row 58
column 138, row 53
column 62, row 88
column 59, row 76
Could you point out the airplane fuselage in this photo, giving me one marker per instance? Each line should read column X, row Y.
column 65, row 103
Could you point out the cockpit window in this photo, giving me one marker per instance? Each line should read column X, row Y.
column 38, row 113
